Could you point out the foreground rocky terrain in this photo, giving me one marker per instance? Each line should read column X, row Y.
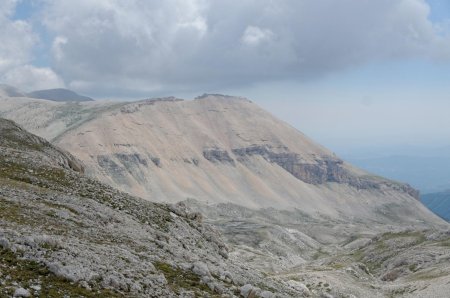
column 336, row 258
column 63, row 234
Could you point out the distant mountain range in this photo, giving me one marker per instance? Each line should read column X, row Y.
column 439, row 203
column 59, row 94
column 428, row 174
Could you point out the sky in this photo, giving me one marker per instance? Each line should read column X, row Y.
column 351, row 74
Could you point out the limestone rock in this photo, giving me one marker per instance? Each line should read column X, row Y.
column 21, row 292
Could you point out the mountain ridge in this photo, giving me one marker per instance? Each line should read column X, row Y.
column 214, row 148
column 58, row 94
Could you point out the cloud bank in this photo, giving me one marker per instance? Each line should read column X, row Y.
column 137, row 47
column 18, row 41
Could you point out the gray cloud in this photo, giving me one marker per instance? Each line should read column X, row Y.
column 121, row 47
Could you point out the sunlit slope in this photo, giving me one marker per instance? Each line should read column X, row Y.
column 215, row 149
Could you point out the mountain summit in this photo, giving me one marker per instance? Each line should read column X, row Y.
column 217, row 149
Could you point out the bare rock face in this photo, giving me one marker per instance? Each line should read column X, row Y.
column 218, row 155
column 323, row 169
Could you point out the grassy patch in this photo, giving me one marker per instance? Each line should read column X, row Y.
column 350, row 240
column 432, row 274
column 420, row 237
column 27, row 273
column 444, row 243
column 13, row 212
column 183, row 279
column 320, row 254
column 336, row 266
column 60, row 206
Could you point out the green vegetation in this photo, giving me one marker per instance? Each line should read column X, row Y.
column 350, row 240
column 28, row 273
column 431, row 274
column 420, row 237
column 445, row 243
column 14, row 212
column 386, row 247
column 183, row 279
column 319, row 254
column 14, row 138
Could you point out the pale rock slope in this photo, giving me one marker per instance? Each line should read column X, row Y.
column 216, row 149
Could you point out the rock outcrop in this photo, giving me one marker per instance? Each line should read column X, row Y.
column 217, row 155
column 322, row 170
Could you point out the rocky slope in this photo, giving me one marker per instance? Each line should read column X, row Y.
column 335, row 258
column 63, row 234
column 218, row 149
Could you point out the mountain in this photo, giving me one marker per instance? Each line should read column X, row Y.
column 216, row 149
column 58, row 95
column 439, row 203
column 10, row 91
column 270, row 213
column 64, row 234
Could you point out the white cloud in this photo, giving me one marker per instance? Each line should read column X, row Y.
column 16, row 36
column 195, row 44
column 253, row 36
column 18, row 41
column 114, row 46
column 29, row 78
column 57, row 45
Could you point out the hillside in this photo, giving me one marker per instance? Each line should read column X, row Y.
column 439, row 203
column 62, row 233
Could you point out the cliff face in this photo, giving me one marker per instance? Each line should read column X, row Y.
column 214, row 149
column 322, row 170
